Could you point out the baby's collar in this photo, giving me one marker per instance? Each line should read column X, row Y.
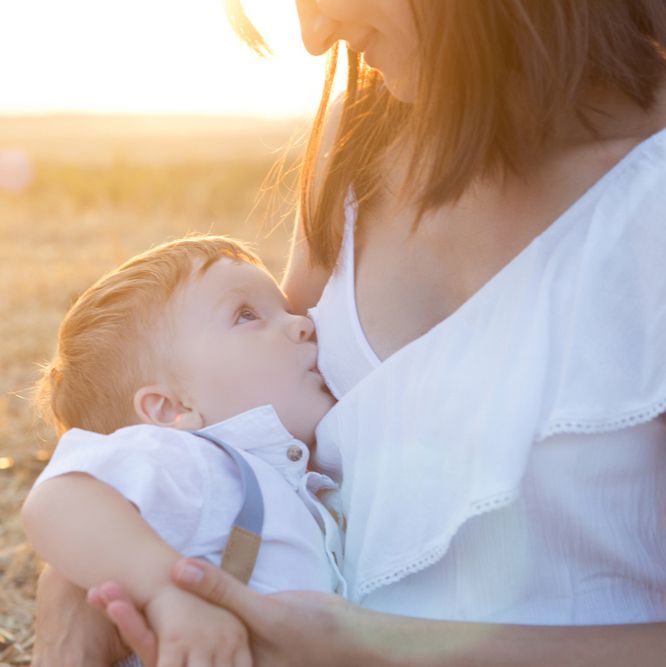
column 258, row 427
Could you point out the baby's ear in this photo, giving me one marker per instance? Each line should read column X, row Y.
column 157, row 404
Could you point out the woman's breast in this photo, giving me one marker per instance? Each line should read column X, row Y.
column 365, row 315
column 345, row 357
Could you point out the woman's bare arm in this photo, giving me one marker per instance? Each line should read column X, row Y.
column 298, row 629
column 387, row 641
column 303, row 282
column 349, row 635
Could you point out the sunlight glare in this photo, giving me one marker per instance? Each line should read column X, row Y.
column 152, row 56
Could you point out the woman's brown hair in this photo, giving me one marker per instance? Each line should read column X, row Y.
column 496, row 76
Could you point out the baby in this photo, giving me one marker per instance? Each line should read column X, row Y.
column 184, row 346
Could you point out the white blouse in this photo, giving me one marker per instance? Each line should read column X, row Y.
column 510, row 465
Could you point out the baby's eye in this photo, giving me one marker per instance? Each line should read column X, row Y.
column 246, row 314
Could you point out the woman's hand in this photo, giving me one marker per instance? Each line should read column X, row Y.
column 69, row 632
column 187, row 629
column 115, row 602
column 290, row 629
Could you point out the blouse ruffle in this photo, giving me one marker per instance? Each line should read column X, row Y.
column 569, row 337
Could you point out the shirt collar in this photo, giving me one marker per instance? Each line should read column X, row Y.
column 257, row 428
column 260, row 432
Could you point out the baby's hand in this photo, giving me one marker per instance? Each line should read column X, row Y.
column 191, row 631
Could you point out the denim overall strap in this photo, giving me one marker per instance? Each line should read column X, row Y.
column 240, row 552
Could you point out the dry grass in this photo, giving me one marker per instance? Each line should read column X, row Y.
column 103, row 189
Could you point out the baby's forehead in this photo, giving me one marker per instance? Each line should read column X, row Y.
column 234, row 276
column 237, row 270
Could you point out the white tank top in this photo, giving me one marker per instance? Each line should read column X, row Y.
column 347, row 355
column 544, row 391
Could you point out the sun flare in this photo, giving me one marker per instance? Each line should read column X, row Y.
column 152, row 56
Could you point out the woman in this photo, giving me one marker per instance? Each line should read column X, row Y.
column 486, row 202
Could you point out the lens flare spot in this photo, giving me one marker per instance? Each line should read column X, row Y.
column 6, row 462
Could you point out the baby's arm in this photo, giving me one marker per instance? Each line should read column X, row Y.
column 91, row 533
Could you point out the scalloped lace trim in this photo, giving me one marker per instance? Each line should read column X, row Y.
column 627, row 420
column 434, row 554
column 430, row 557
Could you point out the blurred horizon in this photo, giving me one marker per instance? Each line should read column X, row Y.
column 159, row 138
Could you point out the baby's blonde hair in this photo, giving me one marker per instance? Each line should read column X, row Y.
column 104, row 351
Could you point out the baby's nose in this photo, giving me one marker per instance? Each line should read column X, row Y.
column 301, row 328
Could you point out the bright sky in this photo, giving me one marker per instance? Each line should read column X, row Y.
column 151, row 56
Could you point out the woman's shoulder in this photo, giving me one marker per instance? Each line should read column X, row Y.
column 303, row 281
column 640, row 174
column 605, row 300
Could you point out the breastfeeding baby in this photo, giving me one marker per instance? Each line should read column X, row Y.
column 187, row 395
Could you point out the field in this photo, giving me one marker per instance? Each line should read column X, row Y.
column 100, row 189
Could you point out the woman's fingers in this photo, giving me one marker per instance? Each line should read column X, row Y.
column 219, row 588
column 95, row 599
column 100, row 596
column 199, row 658
column 134, row 630
column 243, row 658
column 119, row 608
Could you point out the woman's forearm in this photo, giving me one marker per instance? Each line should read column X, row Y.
column 382, row 640
column 305, row 628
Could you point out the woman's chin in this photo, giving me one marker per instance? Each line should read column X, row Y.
column 402, row 88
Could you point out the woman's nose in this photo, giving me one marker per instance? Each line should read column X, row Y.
column 318, row 31
column 300, row 328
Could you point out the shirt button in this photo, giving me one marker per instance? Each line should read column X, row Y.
column 294, row 453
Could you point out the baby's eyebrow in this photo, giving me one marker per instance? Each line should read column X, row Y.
column 230, row 294
column 253, row 289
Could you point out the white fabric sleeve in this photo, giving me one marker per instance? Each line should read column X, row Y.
column 161, row 471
